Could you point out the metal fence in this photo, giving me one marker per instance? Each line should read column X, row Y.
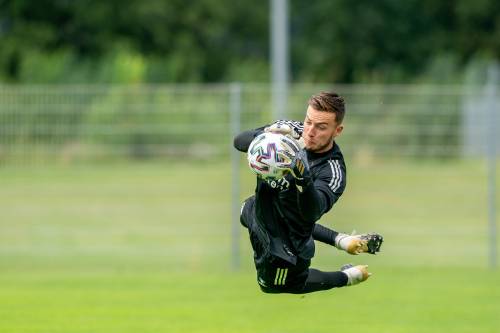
column 44, row 124
column 64, row 124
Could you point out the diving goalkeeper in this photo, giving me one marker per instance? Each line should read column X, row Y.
column 282, row 215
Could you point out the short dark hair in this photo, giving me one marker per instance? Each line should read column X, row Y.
column 329, row 102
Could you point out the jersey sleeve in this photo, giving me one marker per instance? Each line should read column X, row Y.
column 331, row 182
column 242, row 141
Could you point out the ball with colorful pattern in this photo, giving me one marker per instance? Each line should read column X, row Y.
column 270, row 155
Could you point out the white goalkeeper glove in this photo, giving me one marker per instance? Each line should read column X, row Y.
column 286, row 130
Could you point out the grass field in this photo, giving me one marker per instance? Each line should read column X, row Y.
column 146, row 248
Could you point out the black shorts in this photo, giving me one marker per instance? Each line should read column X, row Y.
column 279, row 276
column 278, row 270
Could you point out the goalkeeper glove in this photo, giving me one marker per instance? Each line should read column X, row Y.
column 300, row 169
column 286, row 130
column 356, row 244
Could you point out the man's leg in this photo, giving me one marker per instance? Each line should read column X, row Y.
column 318, row 280
column 349, row 275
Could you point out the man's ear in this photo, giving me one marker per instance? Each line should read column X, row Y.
column 338, row 130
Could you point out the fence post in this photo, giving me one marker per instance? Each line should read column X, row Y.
column 235, row 119
column 491, row 91
column 279, row 57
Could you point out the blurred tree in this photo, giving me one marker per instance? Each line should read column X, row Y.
column 222, row 40
column 388, row 40
column 184, row 41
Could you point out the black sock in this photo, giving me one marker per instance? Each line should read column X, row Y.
column 318, row 280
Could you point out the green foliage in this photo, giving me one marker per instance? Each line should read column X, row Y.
column 171, row 41
column 222, row 41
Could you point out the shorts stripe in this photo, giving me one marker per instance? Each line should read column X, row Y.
column 277, row 275
column 280, row 278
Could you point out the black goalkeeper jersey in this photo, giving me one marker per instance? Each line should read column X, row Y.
column 288, row 213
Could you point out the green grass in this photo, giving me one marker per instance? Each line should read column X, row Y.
column 147, row 248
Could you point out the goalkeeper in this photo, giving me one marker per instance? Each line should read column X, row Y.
column 281, row 217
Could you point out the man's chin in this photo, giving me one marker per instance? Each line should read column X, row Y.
column 309, row 147
column 318, row 148
column 312, row 149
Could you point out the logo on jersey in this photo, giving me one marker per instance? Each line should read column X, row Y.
column 280, row 184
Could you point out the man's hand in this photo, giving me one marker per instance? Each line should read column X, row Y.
column 282, row 129
column 286, row 130
column 300, row 167
column 356, row 244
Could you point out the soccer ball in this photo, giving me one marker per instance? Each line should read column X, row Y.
column 270, row 154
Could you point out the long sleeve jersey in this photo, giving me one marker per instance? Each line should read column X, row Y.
column 289, row 213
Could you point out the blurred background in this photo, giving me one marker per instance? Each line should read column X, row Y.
column 120, row 189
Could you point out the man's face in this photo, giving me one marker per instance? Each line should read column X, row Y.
column 320, row 128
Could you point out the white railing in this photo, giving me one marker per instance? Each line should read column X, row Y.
column 40, row 124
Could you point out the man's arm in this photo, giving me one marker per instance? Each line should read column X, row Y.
column 287, row 127
column 242, row 141
column 352, row 244
column 316, row 196
column 312, row 204
column 324, row 234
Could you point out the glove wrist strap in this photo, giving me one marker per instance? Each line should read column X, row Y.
column 339, row 244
